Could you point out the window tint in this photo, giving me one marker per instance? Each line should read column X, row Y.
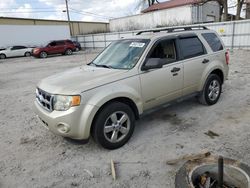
column 14, row 48
column 18, row 47
column 59, row 42
column 165, row 50
column 213, row 41
column 69, row 41
column 52, row 43
column 191, row 47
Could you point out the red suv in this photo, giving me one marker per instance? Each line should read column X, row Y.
column 65, row 47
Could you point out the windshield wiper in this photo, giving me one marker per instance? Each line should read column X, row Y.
column 97, row 65
column 91, row 63
column 105, row 66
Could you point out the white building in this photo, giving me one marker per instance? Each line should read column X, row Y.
column 173, row 12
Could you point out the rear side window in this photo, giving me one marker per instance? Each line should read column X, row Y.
column 213, row 41
column 191, row 47
column 59, row 42
column 69, row 41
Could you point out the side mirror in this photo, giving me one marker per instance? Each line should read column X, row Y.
column 152, row 63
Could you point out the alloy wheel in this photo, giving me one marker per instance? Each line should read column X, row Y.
column 116, row 127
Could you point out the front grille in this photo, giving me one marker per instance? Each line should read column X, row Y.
column 44, row 99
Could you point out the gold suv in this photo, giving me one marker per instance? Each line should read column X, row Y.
column 105, row 97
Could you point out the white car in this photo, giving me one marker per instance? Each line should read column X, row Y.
column 15, row 51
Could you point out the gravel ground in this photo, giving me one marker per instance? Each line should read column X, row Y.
column 31, row 156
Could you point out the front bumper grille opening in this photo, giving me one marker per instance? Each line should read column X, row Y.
column 44, row 99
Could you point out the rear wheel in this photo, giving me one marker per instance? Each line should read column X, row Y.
column 43, row 55
column 27, row 54
column 68, row 52
column 211, row 91
column 2, row 56
column 114, row 125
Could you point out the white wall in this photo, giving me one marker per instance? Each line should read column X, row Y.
column 31, row 35
column 172, row 16
column 235, row 34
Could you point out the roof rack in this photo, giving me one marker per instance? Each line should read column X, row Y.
column 173, row 29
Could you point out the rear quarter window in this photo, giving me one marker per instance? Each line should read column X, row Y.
column 213, row 41
column 191, row 47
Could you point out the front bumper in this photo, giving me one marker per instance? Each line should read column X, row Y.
column 74, row 123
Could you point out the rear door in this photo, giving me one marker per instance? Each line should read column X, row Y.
column 161, row 85
column 55, row 47
column 194, row 59
column 21, row 50
column 60, row 46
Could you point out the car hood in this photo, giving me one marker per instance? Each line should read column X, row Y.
column 80, row 79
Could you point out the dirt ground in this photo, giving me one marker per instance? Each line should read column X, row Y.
column 31, row 156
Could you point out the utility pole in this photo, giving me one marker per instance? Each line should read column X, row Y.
column 67, row 9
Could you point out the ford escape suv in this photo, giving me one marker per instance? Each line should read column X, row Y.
column 131, row 76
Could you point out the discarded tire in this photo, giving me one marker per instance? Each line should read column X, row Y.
column 236, row 173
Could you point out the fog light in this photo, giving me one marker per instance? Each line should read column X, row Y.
column 62, row 128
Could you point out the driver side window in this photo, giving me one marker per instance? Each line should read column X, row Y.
column 165, row 50
column 52, row 44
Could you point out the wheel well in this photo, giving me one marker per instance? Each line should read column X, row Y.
column 124, row 100
column 219, row 73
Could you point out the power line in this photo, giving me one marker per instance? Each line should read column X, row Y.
column 12, row 8
column 26, row 11
column 89, row 15
column 86, row 13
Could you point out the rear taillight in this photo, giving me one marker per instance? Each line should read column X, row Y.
column 227, row 57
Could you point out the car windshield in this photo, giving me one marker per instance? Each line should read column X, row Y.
column 122, row 54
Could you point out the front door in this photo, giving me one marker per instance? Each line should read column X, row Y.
column 159, row 86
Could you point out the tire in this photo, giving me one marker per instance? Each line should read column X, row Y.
column 43, row 55
column 117, row 133
column 77, row 49
column 2, row 56
column 68, row 52
column 27, row 54
column 211, row 91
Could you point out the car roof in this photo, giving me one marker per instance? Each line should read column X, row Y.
column 159, row 33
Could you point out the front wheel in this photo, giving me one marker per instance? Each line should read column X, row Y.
column 68, row 52
column 114, row 125
column 43, row 55
column 211, row 91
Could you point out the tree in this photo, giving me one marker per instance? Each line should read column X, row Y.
column 151, row 2
column 239, row 8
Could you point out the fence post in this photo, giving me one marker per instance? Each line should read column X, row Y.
column 93, row 41
column 84, row 40
column 233, row 34
column 105, row 40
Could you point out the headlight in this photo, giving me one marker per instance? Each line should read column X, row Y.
column 63, row 103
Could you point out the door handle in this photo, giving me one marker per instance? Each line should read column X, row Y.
column 205, row 61
column 175, row 69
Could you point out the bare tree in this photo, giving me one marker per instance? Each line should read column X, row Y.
column 151, row 2
column 239, row 8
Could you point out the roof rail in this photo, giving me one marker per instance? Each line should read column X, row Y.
column 173, row 29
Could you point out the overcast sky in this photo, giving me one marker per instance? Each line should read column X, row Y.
column 91, row 10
